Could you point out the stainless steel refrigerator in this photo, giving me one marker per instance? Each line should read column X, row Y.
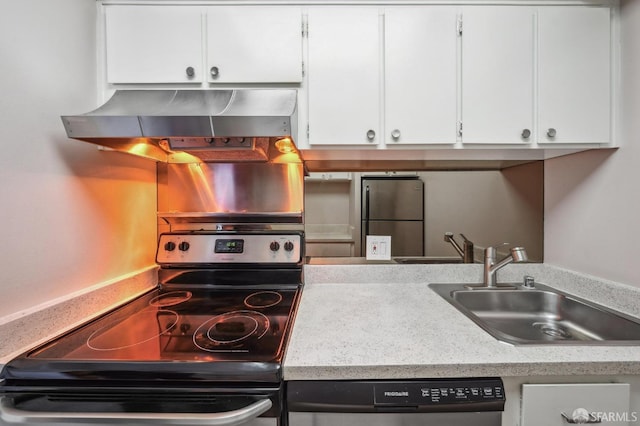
column 394, row 206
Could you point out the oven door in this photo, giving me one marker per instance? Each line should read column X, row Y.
column 151, row 406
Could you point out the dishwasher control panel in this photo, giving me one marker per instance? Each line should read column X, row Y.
column 437, row 392
column 397, row 396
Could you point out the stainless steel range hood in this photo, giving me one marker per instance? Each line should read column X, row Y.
column 182, row 126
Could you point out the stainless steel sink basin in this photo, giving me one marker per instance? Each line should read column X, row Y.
column 541, row 316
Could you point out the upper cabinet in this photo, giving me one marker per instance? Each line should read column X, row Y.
column 250, row 44
column 382, row 75
column 420, row 79
column 497, row 74
column 153, row 44
column 242, row 44
column 566, row 57
column 574, row 75
column 344, row 76
column 348, row 50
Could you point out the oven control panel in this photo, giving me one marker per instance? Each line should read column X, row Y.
column 192, row 248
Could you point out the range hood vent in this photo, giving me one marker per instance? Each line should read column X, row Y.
column 183, row 126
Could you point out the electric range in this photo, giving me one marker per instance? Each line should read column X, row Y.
column 203, row 347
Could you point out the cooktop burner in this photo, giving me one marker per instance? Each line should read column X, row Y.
column 171, row 298
column 263, row 299
column 232, row 331
column 109, row 338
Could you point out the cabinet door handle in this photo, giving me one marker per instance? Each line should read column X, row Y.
column 190, row 72
column 526, row 133
column 214, row 72
column 395, row 134
column 551, row 132
column 371, row 135
column 587, row 418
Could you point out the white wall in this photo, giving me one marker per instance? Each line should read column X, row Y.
column 71, row 216
column 328, row 203
column 488, row 207
column 592, row 200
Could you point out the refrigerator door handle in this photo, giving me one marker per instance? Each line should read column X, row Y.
column 366, row 210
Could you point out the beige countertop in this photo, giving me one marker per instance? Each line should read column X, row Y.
column 383, row 321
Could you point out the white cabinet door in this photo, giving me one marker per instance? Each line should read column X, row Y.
column 249, row 44
column 420, row 75
column 497, row 74
column 344, row 75
column 601, row 403
column 153, row 44
column 574, row 74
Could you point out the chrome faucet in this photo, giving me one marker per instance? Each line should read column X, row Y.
column 466, row 252
column 518, row 254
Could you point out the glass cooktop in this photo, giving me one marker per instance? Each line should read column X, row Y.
column 198, row 324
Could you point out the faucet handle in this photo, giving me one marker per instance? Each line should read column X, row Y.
column 491, row 252
column 468, row 256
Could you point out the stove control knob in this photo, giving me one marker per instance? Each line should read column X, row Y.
column 288, row 246
column 183, row 246
column 170, row 246
column 274, row 246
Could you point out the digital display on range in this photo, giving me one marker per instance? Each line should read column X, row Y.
column 229, row 246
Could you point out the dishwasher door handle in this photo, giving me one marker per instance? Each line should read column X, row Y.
column 13, row 415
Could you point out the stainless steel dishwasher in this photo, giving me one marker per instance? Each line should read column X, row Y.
column 433, row 402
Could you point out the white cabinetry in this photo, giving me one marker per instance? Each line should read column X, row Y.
column 497, row 74
column 606, row 403
column 420, row 74
column 344, row 75
column 346, row 106
column 567, row 56
column 574, row 93
column 385, row 75
column 249, row 44
column 164, row 44
column 153, row 44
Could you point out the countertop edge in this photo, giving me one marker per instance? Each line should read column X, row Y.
column 387, row 372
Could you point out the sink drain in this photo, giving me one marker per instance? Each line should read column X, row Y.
column 554, row 330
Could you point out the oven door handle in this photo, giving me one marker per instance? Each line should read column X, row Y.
column 13, row 415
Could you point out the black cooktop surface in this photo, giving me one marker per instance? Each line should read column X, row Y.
column 184, row 325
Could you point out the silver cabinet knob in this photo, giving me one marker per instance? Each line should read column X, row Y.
column 190, row 72
column 214, row 72
column 526, row 133
column 551, row 133
column 371, row 135
column 395, row 134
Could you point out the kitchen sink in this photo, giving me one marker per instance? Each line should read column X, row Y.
column 541, row 315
